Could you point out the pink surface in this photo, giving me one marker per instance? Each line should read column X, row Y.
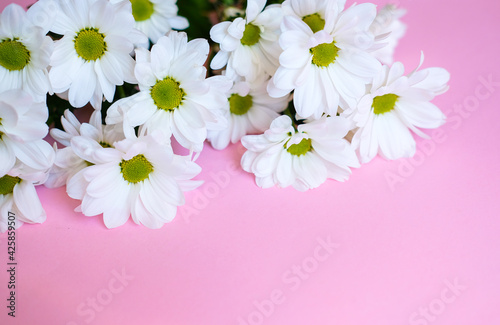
column 420, row 249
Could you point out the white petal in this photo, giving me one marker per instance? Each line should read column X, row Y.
column 8, row 157
column 284, row 172
column 83, row 87
column 36, row 154
column 394, row 138
column 28, row 203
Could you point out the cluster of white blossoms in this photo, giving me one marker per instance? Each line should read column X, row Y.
column 90, row 51
column 308, row 87
column 332, row 62
column 25, row 157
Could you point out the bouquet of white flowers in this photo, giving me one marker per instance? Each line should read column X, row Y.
column 308, row 87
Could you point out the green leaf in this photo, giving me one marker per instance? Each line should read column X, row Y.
column 196, row 12
column 56, row 106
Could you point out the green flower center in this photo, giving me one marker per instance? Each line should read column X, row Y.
column 324, row 54
column 13, row 55
column 385, row 103
column 251, row 35
column 136, row 169
column 7, row 184
column 300, row 148
column 239, row 105
column 105, row 144
column 90, row 44
column 142, row 9
column 167, row 94
column 315, row 22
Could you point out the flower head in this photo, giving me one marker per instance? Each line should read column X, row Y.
column 387, row 29
column 175, row 97
column 155, row 18
column 24, row 53
column 93, row 56
column 394, row 105
column 303, row 158
column 18, row 196
column 22, row 129
column 325, row 57
column 141, row 177
column 67, row 163
column 249, row 46
column 249, row 110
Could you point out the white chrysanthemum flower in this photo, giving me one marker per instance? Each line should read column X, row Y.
column 155, row 18
column 174, row 95
column 24, row 54
column 93, row 56
column 67, row 163
column 325, row 59
column 304, row 158
column 388, row 29
column 141, row 177
column 249, row 46
column 250, row 109
column 18, row 196
column 394, row 105
column 22, row 129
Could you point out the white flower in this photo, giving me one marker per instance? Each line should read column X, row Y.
column 141, row 177
column 22, row 129
column 304, row 158
column 156, row 17
column 394, row 105
column 67, row 163
column 94, row 54
column 18, row 196
column 174, row 95
column 388, row 29
column 250, row 109
column 249, row 46
column 325, row 59
column 24, row 53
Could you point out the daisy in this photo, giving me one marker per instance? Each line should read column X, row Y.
column 394, row 105
column 388, row 29
column 141, row 177
column 67, row 163
column 156, row 17
column 174, row 95
column 18, row 196
column 22, row 129
column 250, row 109
column 249, row 46
column 325, row 58
column 93, row 56
column 303, row 158
column 24, row 53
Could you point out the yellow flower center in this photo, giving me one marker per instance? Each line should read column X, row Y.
column 136, row 170
column 167, row 94
column 251, row 35
column 7, row 184
column 314, row 21
column 385, row 103
column 142, row 9
column 239, row 105
column 14, row 55
column 324, row 54
column 90, row 44
column 300, row 148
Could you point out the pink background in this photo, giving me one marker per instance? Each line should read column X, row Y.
column 237, row 254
